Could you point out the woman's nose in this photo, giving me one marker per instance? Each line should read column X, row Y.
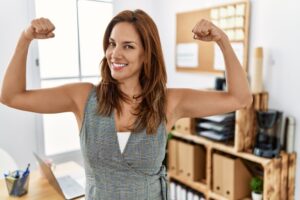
column 116, row 53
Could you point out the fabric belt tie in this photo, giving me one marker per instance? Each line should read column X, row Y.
column 163, row 182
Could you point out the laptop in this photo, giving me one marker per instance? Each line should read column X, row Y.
column 67, row 186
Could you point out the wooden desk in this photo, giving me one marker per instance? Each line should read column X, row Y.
column 39, row 188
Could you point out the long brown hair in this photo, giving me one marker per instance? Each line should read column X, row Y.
column 151, row 111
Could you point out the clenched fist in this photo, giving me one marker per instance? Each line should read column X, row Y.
column 40, row 28
column 207, row 31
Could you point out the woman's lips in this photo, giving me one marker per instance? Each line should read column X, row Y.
column 118, row 66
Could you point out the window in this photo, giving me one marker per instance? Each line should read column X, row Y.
column 73, row 55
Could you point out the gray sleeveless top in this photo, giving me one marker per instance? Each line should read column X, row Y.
column 137, row 174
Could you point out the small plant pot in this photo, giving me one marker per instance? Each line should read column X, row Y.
column 256, row 196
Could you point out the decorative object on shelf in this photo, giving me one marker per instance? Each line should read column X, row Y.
column 267, row 142
column 257, row 78
column 256, row 185
column 289, row 129
column 170, row 136
column 165, row 161
column 220, row 84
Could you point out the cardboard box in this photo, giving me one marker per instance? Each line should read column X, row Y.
column 231, row 178
column 191, row 161
column 184, row 126
column 172, row 157
column 196, row 163
column 182, row 158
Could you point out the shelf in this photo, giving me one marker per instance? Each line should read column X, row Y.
column 222, row 147
column 212, row 195
column 197, row 186
column 216, row 196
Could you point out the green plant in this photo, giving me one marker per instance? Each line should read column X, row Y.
column 170, row 135
column 256, row 185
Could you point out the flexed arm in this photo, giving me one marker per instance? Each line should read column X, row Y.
column 196, row 103
column 236, row 79
column 14, row 93
column 14, row 82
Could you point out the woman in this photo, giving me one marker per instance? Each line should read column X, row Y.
column 123, row 121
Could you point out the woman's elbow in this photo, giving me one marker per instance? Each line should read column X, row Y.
column 2, row 100
column 5, row 100
column 246, row 101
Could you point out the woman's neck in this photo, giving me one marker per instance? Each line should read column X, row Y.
column 132, row 89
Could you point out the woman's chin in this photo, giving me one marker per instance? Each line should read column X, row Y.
column 117, row 77
column 121, row 77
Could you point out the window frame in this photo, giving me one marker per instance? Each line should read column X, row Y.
column 74, row 155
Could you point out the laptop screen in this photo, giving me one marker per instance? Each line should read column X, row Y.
column 47, row 172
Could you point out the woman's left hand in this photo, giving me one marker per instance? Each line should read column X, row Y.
column 207, row 31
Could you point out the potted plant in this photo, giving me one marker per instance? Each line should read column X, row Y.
column 256, row 185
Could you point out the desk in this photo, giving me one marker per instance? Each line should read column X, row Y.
column 39, row 188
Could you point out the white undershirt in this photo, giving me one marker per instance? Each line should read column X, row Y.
column 123, row 139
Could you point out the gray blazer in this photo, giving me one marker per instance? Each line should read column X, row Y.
column 137, row 174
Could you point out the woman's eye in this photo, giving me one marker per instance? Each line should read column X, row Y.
column 128, row 47
column 111, row 44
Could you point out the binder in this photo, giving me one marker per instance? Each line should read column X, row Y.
column 196, row 160
column 173, row 157
column 182, row 159
column 230, row 177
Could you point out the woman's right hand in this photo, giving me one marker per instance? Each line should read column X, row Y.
column 41, row 28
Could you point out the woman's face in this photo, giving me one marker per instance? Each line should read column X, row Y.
column 125, row 53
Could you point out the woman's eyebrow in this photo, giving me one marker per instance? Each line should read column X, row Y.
column 124, row 42
column 129, row 42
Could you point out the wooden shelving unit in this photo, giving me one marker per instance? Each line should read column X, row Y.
column 198, row 186
column 215, row 196
column 221, row 147
column 278, row 173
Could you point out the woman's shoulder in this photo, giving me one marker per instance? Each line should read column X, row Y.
column 175, row 97
column 82, row 89
column 81, row 93
column 173, row 94
column 86, row 87
column 172, row 98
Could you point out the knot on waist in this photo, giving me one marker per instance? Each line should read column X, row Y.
column 162, row 176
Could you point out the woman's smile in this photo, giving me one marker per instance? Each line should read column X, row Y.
column 118, row 66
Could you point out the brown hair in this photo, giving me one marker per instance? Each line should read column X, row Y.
column 151, row 110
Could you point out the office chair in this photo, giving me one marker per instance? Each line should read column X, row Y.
column 7, row 163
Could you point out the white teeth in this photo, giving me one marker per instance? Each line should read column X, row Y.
column 119, row 65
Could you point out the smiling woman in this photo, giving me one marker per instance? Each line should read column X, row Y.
column 132, row 97
column 133, row 69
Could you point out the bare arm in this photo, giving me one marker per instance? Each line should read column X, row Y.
column 14, row 93
column 195, row 103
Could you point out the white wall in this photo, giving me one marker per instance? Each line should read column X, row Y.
column 17, row 128
column 145, row 5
